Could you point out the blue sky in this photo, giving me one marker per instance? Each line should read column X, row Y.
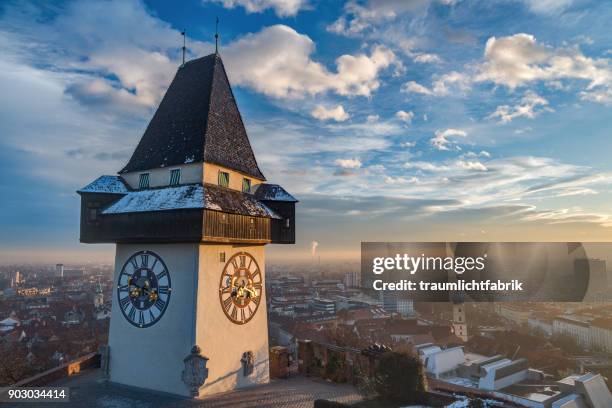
column 416, row 120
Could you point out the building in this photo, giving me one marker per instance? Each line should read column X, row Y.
column 574, row 327
column 16, row 279
column 352, row 279
column 323, row 305
column 98, row 297
column 394, row 302
column 589, row 333
column 514, row 313
column 601, row 334
column 459, row 322
column 511, row 381
column 73, row 273
column 439, row 362
column 542, row 324
column 59, row 270
column 190, row 214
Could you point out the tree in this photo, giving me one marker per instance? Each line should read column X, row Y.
column 477, row 403
column 399, row 377
column 13, row 365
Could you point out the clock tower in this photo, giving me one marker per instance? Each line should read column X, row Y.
column 190, row 213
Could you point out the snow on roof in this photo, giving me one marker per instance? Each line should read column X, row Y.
column 8, row 324
column 272, row 192
column 106, row 184
column 170, row 198
column 193, row 196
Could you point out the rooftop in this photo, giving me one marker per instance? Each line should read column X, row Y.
column 106, row 184
column 197, row 121
column 191, row 196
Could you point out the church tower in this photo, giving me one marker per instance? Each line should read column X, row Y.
column 459, row 322
column 190, row 214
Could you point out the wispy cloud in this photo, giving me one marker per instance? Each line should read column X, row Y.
column 282, row 8
column 530, row 105
column 443, row 139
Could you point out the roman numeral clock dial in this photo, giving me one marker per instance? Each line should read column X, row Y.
column 144, row 289
column 240, row 288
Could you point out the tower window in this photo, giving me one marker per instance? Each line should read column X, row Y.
column 93, row 210
column 221, row 256
column 175, row 177
column 287, row 222
column 223, row 179
column 246, row 185
column 144, row 181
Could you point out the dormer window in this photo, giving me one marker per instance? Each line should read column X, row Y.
column 144, row 181
column 175, row 177
column 246, row 185
column 223, row 179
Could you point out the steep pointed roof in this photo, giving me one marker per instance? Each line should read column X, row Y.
column 197, row 121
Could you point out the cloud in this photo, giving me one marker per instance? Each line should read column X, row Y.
column 282, row 8
column 547, row 6
column 471, row 165
column 348, row 163
column 519, row 59
column 445, row 167
column 105, row 60
column 425, row 166
column 359, row 16
column 336, row 113
column 276, row 61
column 530, row 106
column 414, row 87
column 401, row 180
column 568, row 215
column 426, row 58
column 404, row 116
column 602, row 95
column 372, row 126
column 482, row 153
column 442, row 141
column 443, row 85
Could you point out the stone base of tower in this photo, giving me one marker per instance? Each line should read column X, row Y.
column 157, row 357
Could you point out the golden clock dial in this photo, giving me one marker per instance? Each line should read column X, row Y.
column 241, row 288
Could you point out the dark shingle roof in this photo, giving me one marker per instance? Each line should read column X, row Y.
column 106, row 184
column 197, row 120
column 273, row 192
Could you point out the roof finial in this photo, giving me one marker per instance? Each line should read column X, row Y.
column 183, row 33
column 217, row 36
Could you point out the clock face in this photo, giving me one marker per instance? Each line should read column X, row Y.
column 144, row 289
column 240, row 288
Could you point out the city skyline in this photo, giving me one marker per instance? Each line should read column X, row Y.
column 394, row 122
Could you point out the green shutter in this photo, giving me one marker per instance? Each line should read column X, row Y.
column 175, row 177
column 246, row 185
column 144, row 181
column 223, row 179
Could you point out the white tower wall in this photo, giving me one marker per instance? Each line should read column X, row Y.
column 152, row 357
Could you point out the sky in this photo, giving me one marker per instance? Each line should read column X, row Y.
column 422, row 120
